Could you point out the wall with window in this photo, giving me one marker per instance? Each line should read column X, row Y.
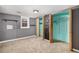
column 10, row 27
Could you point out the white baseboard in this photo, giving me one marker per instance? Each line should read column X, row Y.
column 75, row 50
column 16, row 39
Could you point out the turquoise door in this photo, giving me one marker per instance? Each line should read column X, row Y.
column 60, row 26
column 40, row 26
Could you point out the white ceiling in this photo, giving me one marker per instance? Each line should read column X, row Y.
column 27, row 10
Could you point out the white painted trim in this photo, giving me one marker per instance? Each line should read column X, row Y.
column 16, row 39
column 75, row 50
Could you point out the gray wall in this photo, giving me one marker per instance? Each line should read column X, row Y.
column 17, row 32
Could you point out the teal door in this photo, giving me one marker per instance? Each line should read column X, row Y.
column 40, row 26
column 60, row 26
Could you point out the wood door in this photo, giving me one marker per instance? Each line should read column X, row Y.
column 46, row 27
column 75, row 29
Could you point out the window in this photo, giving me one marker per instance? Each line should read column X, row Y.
column 25, row 22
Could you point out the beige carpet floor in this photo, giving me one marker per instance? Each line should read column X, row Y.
column 34, row 45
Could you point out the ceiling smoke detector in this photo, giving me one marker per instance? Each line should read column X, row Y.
column 35, row 11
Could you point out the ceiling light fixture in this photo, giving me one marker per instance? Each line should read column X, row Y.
column 35, row 11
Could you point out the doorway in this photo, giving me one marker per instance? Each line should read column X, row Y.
column 61, row 28
column 40, row 27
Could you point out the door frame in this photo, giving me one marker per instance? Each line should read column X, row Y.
column 50, row 28
column 70, row 29
column 37, row 26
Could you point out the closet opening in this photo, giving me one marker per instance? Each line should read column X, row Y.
column 61, row 29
